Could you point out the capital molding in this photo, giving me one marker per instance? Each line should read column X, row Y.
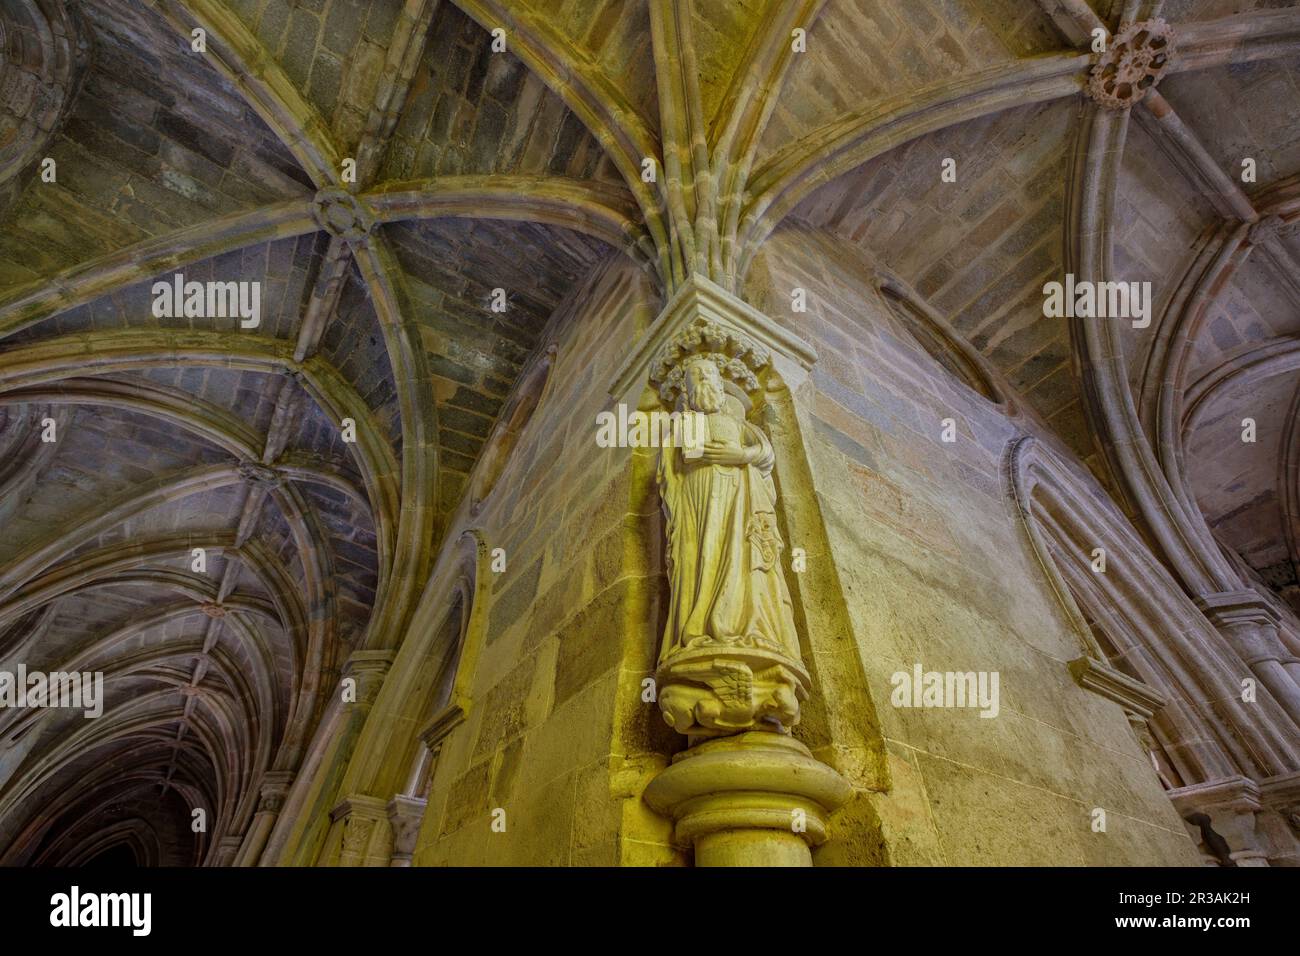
column 273, row 790
column 1230, row 806
column 405, row 814
column 1238, row 607
column 364, row 821
column 368, row 669
column 1235, row 794
column 362, row 664
column 1282, row 792
column 698, row 298
column 360, row 805
column 1248, row 621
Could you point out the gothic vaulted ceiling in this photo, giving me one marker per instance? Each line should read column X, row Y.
column 215, row 515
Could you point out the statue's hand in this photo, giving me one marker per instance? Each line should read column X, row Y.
column 723, row 453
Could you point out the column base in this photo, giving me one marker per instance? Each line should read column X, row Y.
column 755, row 799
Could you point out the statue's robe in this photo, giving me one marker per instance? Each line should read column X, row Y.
column 724, row 549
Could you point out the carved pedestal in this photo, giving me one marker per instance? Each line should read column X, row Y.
column 730, row 675
column 754, row 799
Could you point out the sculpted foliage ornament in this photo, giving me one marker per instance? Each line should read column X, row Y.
column 738, row 359
column 1135, row 60
column 730, row 658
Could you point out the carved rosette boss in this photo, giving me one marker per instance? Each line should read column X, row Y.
column 729, row 661
column 1135, row 60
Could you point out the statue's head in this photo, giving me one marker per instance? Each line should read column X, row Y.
column 704, row 391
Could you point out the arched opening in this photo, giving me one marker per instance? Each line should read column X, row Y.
column 444, row 658
column 117, row 857
column 1138, row 632
column 941, row 341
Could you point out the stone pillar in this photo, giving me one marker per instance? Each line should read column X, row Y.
column 274, row 789
column 404, row 817
column 227, row 849
column 1250, row 626
column 367, row 669
column 730, row 676
column 1229, row 807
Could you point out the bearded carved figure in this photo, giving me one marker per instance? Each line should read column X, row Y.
column 730, row 658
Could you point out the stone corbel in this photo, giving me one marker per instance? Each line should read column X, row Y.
column 1231, row 806
column 441, row 725
column 1136, row 697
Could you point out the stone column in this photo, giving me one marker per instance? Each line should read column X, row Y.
column 730, row 675
column 271, row 796
column 1250, row 626
column 227, row 848
column 753, row 799
column 368, row 669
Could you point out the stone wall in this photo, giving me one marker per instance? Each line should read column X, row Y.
column 935, row 569
column 557, row 734
column 930, row 566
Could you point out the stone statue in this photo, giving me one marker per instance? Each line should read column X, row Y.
column 730, row 659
